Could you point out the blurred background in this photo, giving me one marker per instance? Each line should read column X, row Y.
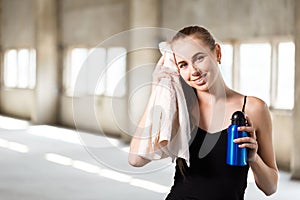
column 76, row 74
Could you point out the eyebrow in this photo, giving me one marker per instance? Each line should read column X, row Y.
column 194, row 57
column 180, row 62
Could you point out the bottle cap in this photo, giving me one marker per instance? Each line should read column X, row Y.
column 238, row 118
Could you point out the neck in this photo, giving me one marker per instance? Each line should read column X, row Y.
column 212, row 105
column 217, row 92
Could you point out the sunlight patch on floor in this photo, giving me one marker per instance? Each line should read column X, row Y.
column 107, row 173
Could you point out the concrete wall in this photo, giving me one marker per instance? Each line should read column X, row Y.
column 295, row 158
column 17, row 30
column 32, row 24
column 283, row 137
column 232, row 19
column 90, row 23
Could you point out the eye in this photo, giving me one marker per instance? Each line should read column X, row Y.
column 182, row 65
column 199, row 58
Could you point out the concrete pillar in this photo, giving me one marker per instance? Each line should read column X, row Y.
column 46, row 91
column 295, row 160
column 144, row 14
column 142, row 56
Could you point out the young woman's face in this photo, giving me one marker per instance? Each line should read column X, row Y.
column 197, row 64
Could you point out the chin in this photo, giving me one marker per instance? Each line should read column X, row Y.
column 203, row 88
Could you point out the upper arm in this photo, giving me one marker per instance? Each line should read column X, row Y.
column 259, row 113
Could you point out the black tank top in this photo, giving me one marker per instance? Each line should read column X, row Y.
column 209, row 177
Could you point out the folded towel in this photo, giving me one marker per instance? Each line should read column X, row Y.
column 167, row 129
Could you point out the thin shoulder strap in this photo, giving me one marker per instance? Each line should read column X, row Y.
column 244, row 105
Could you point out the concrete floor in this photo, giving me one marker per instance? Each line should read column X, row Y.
column 45, row 162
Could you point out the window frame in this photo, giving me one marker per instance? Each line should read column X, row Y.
column 67, row 88
column 275, row 73
column 270, row 66
column 274, row 42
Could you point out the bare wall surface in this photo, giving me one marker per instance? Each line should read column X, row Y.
column 90, row 22
column 17, row 31
column 295, row 162
column 18, row 103
column 17, row 24
column 283, row 137
column 232, row 19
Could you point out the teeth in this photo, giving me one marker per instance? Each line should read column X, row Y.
column 201, row 77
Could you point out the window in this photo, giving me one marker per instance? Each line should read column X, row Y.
column 20, row 68
column 227, row 63
column 285, row 76
column 264, row 69
column 97, row 81
column 115, row 74
column 255, row 70
column 96, row 71
column 78, row 57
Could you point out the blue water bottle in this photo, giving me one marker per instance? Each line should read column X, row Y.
column 235, row 155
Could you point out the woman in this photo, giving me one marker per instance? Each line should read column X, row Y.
column 197, row 55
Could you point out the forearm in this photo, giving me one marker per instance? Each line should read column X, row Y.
column 133, row 158
column 266, row 178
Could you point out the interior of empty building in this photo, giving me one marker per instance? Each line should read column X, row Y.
column 76, row 76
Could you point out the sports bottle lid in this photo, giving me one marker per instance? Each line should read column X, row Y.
column 238, row 118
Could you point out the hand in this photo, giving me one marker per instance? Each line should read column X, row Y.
column 249, row 142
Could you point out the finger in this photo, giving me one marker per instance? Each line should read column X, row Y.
column 244, row 140
column 246, row 128
column 248, row 120
column 248, row 145
column 253, row 135
column 251, row 132
column 162, row 59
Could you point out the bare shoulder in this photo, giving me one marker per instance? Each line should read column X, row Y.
column 258, row 110
column 256, row 104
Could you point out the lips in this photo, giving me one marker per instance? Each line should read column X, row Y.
column 200, row 80
column 200, row 77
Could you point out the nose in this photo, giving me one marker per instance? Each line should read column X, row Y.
column 196, row 71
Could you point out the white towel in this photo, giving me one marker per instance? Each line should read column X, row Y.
column 167, row 129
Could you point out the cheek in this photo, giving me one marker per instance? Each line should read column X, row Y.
column 210, row 66
column 185, row 77
column 184, row 74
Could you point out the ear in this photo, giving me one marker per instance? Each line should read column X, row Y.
column 218, row 53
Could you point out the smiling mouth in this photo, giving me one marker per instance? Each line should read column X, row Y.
column 200, row 77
